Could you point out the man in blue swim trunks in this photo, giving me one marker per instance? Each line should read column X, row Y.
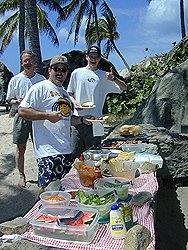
column 49, row 106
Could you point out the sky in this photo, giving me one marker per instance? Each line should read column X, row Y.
column 145, row 30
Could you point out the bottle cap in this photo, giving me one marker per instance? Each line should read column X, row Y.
column 114, row 207
column 97, row 164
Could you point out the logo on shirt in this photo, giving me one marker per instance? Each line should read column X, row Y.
column 63, row 105
column 91, row 79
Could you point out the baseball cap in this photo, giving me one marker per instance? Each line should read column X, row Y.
column 94, row 50
column 59, row 59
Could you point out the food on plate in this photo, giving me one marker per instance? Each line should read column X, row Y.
column 130, row 130
column 87, row 104
column 54, row 198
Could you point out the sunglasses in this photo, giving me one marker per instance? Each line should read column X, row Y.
column 56, row 69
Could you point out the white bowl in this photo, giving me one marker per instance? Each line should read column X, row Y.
column 62, row 194
column 122, row 192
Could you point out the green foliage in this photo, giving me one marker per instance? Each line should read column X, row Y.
column 139, row 88
column 142, row 79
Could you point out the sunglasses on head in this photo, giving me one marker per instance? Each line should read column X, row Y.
column 56, row 69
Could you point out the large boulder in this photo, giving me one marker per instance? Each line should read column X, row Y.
column 5, row 76
column 167, row 105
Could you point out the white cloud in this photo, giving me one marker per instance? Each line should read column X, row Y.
column 163, row 18
column 63, row 34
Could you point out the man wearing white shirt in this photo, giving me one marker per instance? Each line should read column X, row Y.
column 17, row 89
column 90, row 84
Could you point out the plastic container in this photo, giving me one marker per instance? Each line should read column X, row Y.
column 86, row 177
column 146, row 157
column 124, row 169
column 44, row 197
column 104, row 210
column 82, row 233
column 96, row 155
column 117, row 225
column 122, row 192
column 138, row 147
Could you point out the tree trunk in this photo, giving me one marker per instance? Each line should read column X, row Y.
column 33, row 33
column 21, row 27
column 120, row 55
column 96, row 22
column 182, row 19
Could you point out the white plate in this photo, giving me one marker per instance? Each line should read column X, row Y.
column 89, row 107
column 90, row 120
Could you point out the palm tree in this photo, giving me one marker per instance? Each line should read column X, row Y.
column 18, row 20
column 86, row 8
column 182, row 19
column 33, row 34
column 107, row 31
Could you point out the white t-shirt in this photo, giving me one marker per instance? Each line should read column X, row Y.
column 91, row 86
column 50, row 138
column 19, row 86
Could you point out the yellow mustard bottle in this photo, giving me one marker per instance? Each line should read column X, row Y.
column 117, row 224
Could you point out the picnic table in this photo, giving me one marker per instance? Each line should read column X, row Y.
column 102, row 239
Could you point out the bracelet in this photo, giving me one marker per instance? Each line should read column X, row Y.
column 82, row 120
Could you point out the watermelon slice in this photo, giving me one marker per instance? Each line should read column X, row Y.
column 85, row 219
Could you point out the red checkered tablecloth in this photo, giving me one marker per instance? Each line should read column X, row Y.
column 102, row 239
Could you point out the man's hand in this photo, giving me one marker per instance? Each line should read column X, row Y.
column 110, row 75
column 54, row 117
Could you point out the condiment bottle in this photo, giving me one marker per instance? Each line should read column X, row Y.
column 128, row 214
column 117, row 224
column 98, row 173
column 81, row 158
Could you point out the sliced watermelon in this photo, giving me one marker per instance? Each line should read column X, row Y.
column 85, row 219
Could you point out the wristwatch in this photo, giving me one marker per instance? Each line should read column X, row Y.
column 114, row 78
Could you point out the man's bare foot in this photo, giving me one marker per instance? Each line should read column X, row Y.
column 22, row 182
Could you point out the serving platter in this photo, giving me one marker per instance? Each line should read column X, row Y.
column 91, row 120
column 89, row 107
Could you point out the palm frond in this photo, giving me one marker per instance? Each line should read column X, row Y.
column 8, row 5
column 9, row 35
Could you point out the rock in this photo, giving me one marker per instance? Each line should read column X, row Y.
column 23, row 245
column 141, row 198
column 16, row 226
column 137, row 238
column 5, row 76
column 167, row 103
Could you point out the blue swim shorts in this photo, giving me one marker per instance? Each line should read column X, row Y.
column 52, row 168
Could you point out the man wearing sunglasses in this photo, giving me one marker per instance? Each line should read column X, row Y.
column 50, row 108
column 90, row 84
